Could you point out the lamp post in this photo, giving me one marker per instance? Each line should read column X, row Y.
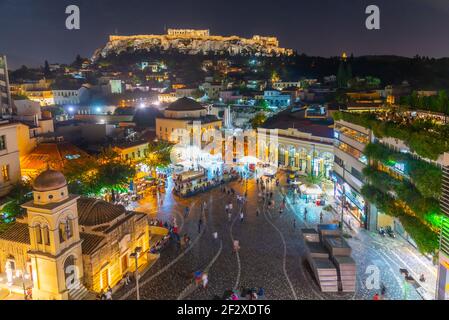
column 343, row 198
column 135, row 255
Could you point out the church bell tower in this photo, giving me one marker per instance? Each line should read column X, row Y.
column 55, row 252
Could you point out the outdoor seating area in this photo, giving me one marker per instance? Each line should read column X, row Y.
column 196, row 184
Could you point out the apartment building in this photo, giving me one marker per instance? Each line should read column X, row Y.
column 443, row 269
column 349, row 161
column 5, row 91
column 9, row 157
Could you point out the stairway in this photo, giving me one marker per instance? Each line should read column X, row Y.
column 80, row 293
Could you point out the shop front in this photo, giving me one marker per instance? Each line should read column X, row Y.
column 305, row 161
column 354, row 206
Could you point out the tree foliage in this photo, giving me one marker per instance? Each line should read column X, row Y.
column 424, row 175
column 435, row 103
column 158, row 154
column 425, row 238
column 258, row 120
column 426, row 138
column 105, row 172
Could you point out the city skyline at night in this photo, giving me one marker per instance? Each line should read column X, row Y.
column 312, row 27
column 224, row 150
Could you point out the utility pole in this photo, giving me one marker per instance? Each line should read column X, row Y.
column 343, row 198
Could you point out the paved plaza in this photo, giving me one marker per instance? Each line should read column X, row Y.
column 272, row 252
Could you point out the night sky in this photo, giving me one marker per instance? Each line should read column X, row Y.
column 34, row 30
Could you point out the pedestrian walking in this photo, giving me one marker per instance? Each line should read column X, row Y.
column 261, row 292
column 200, row 223
column 126, row 279
column 186, row 212
column 294, row 223
column 197, row 276
column 383, row 291
column 204, row 280
column 108, row 293
column 241, row 216
column 321, row 217
column 236, row 245
column 257, row 212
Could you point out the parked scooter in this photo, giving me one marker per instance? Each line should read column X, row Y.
column 382, row 232
column 390, row 232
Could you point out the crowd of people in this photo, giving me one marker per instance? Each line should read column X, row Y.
column 243, row 294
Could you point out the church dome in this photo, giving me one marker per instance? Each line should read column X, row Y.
column 49, row 180
column 185, row 104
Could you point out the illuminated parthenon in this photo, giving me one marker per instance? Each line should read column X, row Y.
column 195, row 41
column 188, row 32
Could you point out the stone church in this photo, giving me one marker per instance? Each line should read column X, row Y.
column 69, row 245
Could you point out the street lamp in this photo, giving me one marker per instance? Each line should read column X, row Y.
column 343, row 200
column 135, row 255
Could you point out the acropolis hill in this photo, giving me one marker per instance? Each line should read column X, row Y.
column 194, row 42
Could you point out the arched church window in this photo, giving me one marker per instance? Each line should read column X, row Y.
column 65, row 230
column 46, row 233
column 62, row 232
column 38, row 232
column 69, row 228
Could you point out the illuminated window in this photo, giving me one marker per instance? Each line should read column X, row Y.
column 2, row 142
column 5, row 172
column 72, row 156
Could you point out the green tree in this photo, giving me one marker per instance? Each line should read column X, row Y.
column 47, row 71
column 262, row 104
column 158, row 155
column 258, row 120
column 113, row 172
column 78, row 62
column 197, row 94
column 341, row 76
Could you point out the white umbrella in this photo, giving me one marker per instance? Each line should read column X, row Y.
column 312, row 189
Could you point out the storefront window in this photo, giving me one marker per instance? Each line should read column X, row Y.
column 346, row 148
column 353, row 134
